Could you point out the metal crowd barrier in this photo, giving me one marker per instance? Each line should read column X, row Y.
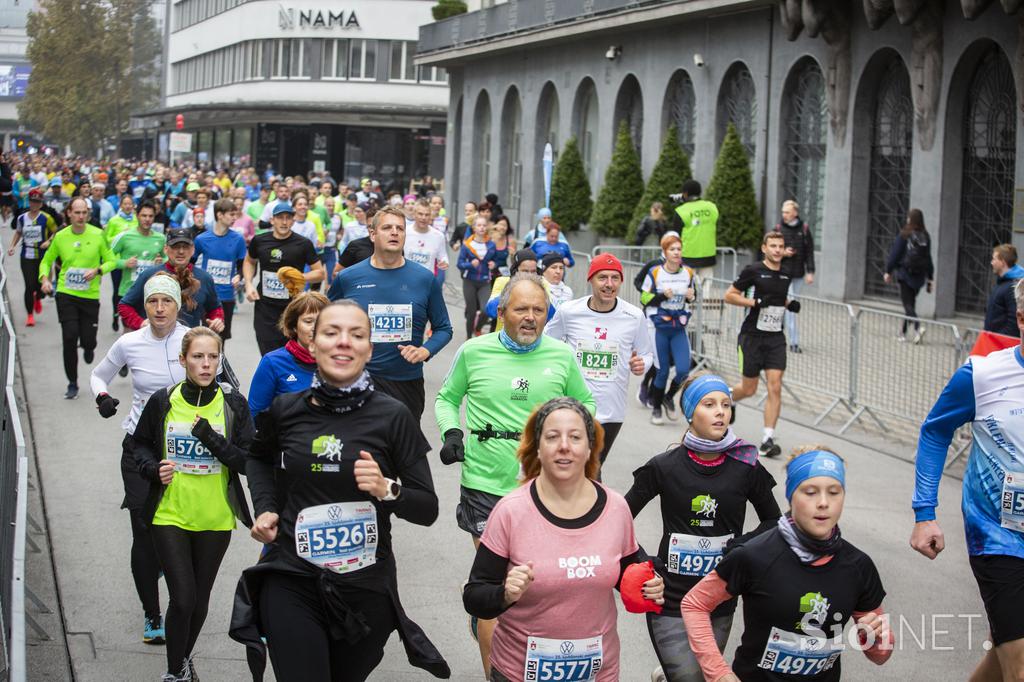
column 13, row 506
column 727, row 267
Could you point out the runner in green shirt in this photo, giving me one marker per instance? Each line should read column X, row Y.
column 138, row 249
column 84, row 256
column 502, row 377
column 255, row 208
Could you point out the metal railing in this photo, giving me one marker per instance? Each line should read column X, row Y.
column 727, row 266
column 13, row 505
column 851, row 357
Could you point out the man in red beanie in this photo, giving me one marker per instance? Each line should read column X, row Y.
column 611, row 341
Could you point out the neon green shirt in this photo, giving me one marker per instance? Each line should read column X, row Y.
column 134, row 244
column 502, row 388
column 194, row 501
column 116, row 225
column 78, row 253
column 700, row 227
column 255, row 211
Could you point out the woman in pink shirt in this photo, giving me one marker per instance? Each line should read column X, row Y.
column 552, row 554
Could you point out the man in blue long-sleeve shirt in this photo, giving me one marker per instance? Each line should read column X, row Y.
column 988, row 392
column 400, row 297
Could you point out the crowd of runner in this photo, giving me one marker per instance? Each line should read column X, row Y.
column 346, row 289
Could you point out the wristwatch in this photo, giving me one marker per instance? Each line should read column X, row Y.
column 394, row 490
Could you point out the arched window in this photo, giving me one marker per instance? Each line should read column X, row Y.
column 629, row 107
column 737, row 104
column 511, row 150
column 585, row 124
column 680, row 109
column 986, row 194
column 892, row 136
column 805, row 137
column 482, row 145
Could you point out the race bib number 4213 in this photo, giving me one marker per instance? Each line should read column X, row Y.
column 390, row 323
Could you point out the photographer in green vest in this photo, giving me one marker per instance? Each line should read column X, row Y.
column 699, row 230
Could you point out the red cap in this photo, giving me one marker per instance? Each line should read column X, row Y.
column 604, row 261
column 35, row 193
column 632, row 586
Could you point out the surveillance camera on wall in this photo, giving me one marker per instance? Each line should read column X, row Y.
column 613, row 52
column 698, row 60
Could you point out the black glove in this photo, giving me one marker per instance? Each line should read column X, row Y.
column 453, row 451
column 793, row 306
column 107, row 405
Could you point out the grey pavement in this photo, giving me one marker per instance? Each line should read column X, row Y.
column 935, row 605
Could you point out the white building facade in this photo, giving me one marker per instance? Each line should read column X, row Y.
column 305, row 85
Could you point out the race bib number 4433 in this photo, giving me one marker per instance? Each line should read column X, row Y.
column 391, row 323
column 74, row 279
column 562, row 660
column 341, row 537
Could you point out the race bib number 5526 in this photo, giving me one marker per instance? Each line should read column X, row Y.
column 341, row 537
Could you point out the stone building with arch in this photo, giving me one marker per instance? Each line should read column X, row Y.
column 858, row 109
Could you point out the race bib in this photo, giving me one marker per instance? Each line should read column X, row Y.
column 340, row 537
column 1012, row 508
column 74, row 279
column 677, row 302
column 391, row 323
column 598, row 360
column 32, row 235
column 189, row 455
column 273, row 287
column 694, row 555
column 565, row 660
column 769, row 318
column 794, row 654
column 220, row 270
column 504, row 271
column 420, row 257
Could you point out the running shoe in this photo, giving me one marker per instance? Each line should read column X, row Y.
column 795, row 348
column 770, row 449
column 656, row 417
column 192, row 674
column 72, row 392
column 642, row 396
column 918, row 335
column 658, row 675
column 89, row 356
column 114, row 323
column 473, row 622
column 123, row 371
column 38, row 304
column 31, row 321
column 901, row 338
column 153, row 630
column 669, row 405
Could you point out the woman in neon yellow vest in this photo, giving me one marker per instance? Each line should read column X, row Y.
column 191, row 443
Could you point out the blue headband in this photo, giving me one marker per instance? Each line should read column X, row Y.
column 811, row 464
column 701, row 386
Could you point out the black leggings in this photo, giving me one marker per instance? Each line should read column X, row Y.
column 190, row 560
column 115, row 279
column 908, row 296
column 611, row 432
column 145, row 565
column 476, row 295
column 295, row 623
column 78, row 318
column 30, row 273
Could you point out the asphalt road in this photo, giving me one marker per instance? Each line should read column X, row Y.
column 937, row 613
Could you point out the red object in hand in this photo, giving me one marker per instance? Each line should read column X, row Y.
column 632, row 588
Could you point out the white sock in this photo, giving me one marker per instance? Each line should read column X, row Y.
column 768, row 433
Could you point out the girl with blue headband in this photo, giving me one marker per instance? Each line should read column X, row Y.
column 704, row 485
column 801, row 584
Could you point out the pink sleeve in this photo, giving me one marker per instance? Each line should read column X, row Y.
column 697, row 606
column 881, row 649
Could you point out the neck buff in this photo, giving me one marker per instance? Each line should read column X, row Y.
column 342, row 400
column 513, row 346
column 730, row 445
column 300, row 353
column 806, row 548
column 125, row 216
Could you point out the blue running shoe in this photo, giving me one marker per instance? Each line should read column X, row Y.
column 153, row 631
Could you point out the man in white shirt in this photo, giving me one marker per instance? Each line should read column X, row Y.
column 425, row 245
column 609, row 336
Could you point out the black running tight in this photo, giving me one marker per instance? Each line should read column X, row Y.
column 294, row 620
column 30, row 273
column 190, row 560
column 145, row 565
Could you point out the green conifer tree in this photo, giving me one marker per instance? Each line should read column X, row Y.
column 623, row 184
column 570, row 190
column 668, row 176
column 740, row 224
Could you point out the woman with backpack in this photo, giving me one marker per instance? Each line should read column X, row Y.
column 911, row 259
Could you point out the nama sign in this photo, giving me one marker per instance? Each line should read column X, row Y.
column 316, row 18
